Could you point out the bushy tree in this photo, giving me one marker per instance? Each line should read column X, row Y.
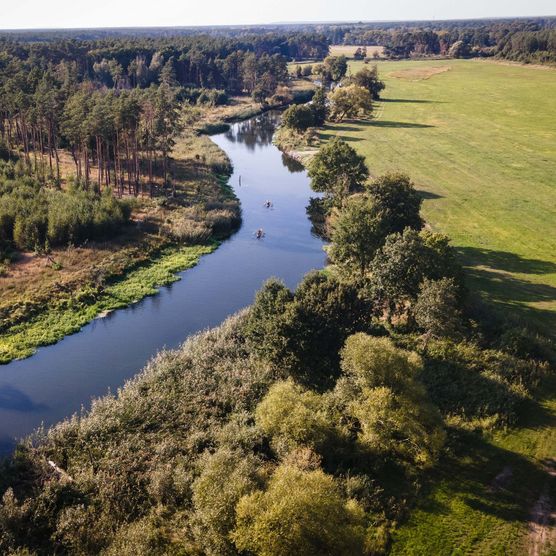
column 398, row 269
column 293, row 417
column 299, row 117
column 390, row 405
column 368, row 79
column 320, row 107
column 356, row 236
column 436, row 310
column 404, row 261
column 442, row 258
column 351, row 101
column 334, row 68
column 301, row 512
column 302, row 334
column 459, row 49
column 398, row 203
column 225, row 477
column 373, row 362
column 337, row 170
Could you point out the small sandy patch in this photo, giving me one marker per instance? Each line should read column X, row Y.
column 418, row 74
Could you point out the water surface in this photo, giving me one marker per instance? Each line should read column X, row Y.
column 60, row 379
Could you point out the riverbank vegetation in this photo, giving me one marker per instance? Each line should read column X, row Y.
column 477, row 500
column 340, row 97
column 380, row 407
column 335, row 403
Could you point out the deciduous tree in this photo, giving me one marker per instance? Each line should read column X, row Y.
column 337, row 170
column 351, row 101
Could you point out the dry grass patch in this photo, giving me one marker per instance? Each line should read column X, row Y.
column 348, row 50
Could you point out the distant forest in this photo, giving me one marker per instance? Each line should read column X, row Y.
column 530, row 40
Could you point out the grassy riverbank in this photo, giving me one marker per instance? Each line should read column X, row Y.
column 69, row 313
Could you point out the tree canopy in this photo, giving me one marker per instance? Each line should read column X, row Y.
column 337, row 170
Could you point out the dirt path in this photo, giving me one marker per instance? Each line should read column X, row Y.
column 542, row 523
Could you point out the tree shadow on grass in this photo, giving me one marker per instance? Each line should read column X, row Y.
column 410, row 100
column 330, row 133
column 488, row 273
column 342, row 127
column 471, row 473
column 428, row 195
column 509, row 262
column 396, row 125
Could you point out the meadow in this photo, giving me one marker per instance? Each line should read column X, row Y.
column 479, row 140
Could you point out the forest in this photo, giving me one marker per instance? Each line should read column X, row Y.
column 116, row 106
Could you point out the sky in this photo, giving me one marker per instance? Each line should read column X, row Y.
column 29, row 14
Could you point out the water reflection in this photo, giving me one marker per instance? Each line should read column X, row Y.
column 15, row 400
column 293, row 165
column 257, row 132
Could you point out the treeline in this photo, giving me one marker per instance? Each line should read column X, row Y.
column 305, row 425
column 524, row 40
column 199, row 61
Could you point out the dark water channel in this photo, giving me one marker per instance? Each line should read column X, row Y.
column 58, row 380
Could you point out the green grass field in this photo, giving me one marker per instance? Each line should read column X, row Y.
column 479, row 139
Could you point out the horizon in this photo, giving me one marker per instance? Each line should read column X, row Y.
column 34, row 15
column 277, row 23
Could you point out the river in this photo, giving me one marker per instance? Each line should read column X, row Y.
column 61, row 379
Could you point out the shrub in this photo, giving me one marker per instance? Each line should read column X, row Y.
column 436, row 310
column 479, row 387
column 225, row 477
column 299, row 117
column 293, row 417
column 189, row 231
column 395, row 418
column 31, row 215
column 301, row 512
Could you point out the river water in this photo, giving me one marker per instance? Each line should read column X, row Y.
column 60, row 379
